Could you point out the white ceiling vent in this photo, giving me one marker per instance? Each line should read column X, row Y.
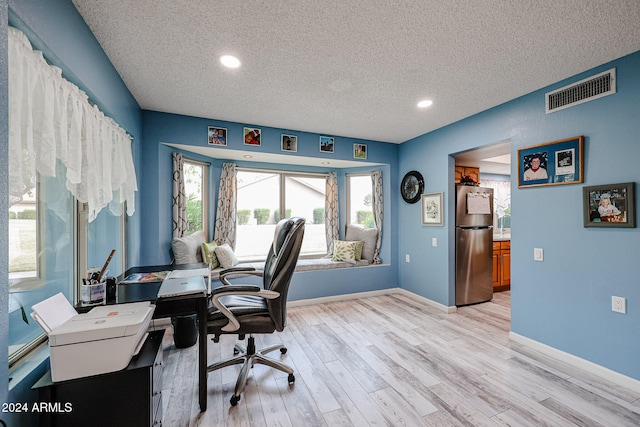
column 591, row 88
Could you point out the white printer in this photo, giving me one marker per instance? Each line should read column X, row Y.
column 100, row 341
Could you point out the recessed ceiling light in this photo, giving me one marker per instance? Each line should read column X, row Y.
column 425, row 103
column 248, row 156
column 326, row 163
column 230, row 61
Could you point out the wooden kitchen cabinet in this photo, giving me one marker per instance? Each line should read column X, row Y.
column 501, row 266
column 461, row 171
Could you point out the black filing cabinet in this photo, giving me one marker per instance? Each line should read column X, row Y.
column 130, row 397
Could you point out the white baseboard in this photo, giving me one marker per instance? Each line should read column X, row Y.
column 358, row 295
column 585, row 365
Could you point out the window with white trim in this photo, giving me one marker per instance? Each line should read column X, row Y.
column 196, row 185
column 360, row 200
column 265, row 196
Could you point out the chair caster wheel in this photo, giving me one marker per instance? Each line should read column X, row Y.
column 235, row 352
column 291, row 379
column 234, row 400
column 283, row 350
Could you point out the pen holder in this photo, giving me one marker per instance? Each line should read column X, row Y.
column 93, row 294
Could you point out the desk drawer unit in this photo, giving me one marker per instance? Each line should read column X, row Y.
column 130, row 397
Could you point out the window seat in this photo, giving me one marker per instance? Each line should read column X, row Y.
column 302, row 265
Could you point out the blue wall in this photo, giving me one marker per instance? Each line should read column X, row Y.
column 156, row 191
column 565, row 301
column 83, row 62
column 56, row 28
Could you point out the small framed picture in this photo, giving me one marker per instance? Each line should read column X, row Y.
column 252, row 136
column 217, row 136
column 611, row 205
column 359, row 151
column 554, row 163
column 326, row 144
column 289, row 143
column 433, row 209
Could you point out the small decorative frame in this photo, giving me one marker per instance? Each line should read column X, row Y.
column 217, row 136
column 326, row 144
column 359, row 151
column 289, row 143
column 611, row 205
column 433, row 209
column 252, row 136
column 555, row 163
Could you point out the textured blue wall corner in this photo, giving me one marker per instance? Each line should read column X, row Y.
column 565, row 301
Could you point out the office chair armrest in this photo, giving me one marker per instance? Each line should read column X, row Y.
column 236, row 272
column 232, row 289
column 251, row 290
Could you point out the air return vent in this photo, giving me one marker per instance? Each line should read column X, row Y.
column 591, row 88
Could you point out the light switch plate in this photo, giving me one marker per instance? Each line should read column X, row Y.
column 538, row 254
column 434, row 242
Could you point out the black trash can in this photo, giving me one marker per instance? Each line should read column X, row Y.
column 185, row 330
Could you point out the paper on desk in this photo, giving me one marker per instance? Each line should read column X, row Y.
column 53, row 312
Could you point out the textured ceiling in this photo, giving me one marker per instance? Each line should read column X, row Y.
column 353, row 68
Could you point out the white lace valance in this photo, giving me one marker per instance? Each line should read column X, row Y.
column 51, row 119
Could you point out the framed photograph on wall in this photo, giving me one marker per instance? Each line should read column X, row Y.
column 359, row 151
column 289, row 143
column 217, row 136
column 611, row 205
column 554, row 163
column 433, row 209
column 252, row 136
column 326, row 144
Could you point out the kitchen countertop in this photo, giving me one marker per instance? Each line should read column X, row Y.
column 501, row 237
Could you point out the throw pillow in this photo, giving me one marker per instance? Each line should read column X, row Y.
column 225, row 256
column 344, row 251
column 187, row 249
column 209, row 254
column 368, row 235
column 359, row 246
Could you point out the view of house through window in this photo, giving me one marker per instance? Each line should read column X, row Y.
column 265, row 197
column 360, row 200
column 195, row 185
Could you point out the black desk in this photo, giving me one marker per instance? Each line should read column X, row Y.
column 169, row 307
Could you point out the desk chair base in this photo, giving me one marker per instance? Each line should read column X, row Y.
column 248, row 357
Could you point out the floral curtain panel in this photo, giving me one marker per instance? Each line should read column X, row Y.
column 180, row 222
column 376, row 181
column 225, row 230
column 331, row 211
column 51, row 120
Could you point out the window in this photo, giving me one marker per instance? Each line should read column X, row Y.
column 501, row 205
column 45, row 225
column 360, row 200
column 264, row 197
column 41, row 252
column 196, row 189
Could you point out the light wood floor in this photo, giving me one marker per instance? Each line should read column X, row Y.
column 389, row 360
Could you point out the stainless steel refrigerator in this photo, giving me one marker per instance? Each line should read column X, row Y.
column 474, row 244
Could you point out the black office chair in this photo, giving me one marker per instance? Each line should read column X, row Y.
column 250, row 309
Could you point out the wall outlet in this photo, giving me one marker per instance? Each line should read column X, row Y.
column 538, row 254
column 407, row 258
column 619, row 305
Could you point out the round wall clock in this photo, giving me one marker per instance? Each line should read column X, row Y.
column 412, row 187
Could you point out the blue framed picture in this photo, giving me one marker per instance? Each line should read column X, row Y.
column 554, row 163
